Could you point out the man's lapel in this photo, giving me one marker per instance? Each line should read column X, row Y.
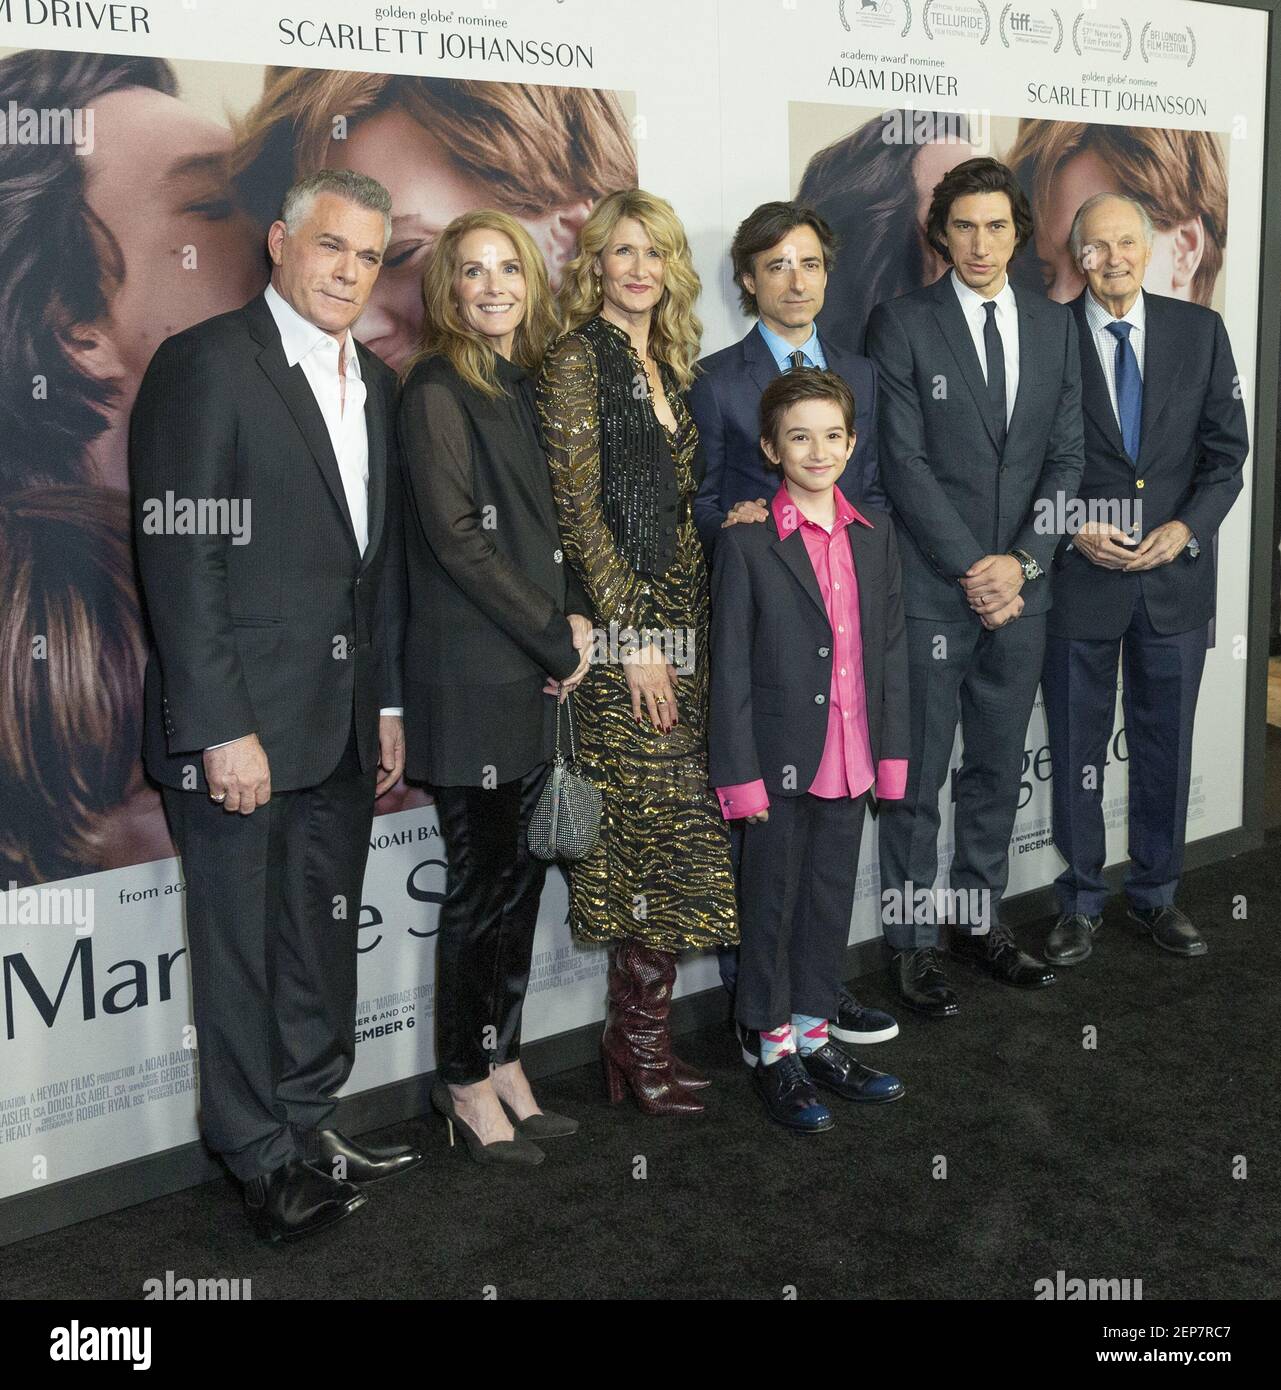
column 295, row 391
column 951, row 319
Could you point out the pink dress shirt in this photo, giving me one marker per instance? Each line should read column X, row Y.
column 845, row 769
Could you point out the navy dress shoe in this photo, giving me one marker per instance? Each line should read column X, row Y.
column 996, row 954
column 832, row 1067
column 858, row 1025
column 921, row 984
column 1071, row 939
column 790, row 1097
column 333, row 1153
column 1171, row 929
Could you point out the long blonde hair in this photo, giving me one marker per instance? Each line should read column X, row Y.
column 675, row 330
column 444, row 330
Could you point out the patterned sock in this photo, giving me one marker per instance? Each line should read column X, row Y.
column 811, row 1032
column 776, row 1043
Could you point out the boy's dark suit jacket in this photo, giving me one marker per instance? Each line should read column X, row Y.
column 288, row 635
column 725, row 401
column 1192, row 444
column 771, row 654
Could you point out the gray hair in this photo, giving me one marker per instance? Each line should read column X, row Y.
column 1074, row 235
column 356, row 188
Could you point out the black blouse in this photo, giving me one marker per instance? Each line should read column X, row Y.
column 489, row 589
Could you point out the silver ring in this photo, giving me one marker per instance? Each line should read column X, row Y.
column 221, row 798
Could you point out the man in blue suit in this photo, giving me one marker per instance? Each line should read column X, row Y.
column 782, row 254
column 1165, row 441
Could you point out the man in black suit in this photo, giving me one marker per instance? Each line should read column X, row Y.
column 782, row 254
column 267, row 517
column 980, row 426
column 1165, row 442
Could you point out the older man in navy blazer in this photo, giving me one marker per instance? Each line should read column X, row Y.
column 1165, row 441
column 782, row 254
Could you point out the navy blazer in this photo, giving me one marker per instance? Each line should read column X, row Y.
column 725, row 401
column 1192, row 446
column 958, row 496
column 771, row 654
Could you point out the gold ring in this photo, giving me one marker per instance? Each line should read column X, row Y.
column 660, row 699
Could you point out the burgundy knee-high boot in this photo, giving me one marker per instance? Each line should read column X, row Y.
column 636, row 1045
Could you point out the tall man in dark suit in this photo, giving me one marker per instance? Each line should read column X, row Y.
column 782, row 254
column 1165, row 441
column 273, row 686
column 980, row 426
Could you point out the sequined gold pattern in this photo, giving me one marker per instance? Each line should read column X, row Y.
column 660, row 872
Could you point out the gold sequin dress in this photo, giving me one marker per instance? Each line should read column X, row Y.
column 661, row 872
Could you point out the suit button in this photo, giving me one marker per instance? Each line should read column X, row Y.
column 558, row 556
column 825, row 651
column 358, row 581
column 820, row 699
column 1139, row 483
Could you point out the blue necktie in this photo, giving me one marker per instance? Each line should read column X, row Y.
column 1129, row 388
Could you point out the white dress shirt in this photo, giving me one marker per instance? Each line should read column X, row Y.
column 1007, row 323
column 1105, row 343
column 318, row 354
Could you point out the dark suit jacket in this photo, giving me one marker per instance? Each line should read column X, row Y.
column 956, row 496
column 1192, row 445
column 488, row 583
column 289, row 635
column 771, row 654
column 725, row 402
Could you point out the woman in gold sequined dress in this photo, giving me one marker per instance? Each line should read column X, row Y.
column 623, row 451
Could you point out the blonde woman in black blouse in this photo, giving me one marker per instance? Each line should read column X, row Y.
column 498, row 627
column 625, row 466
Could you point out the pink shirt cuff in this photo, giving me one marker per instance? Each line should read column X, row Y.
column 891, row 779
column 745, row 799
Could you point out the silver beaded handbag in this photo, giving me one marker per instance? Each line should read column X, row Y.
column 566, row 822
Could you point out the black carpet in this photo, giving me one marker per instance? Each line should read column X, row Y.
column 1108, row 1162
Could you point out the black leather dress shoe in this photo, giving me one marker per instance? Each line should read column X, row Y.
column 1071, row 939
column 996, row 954
column 1171, row 929
column 296, row 1200
column 334, row 1153
column 832, row 1067
column 921, row 984
column 790, row 1097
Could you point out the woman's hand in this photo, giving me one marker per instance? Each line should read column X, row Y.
column 652, row 681
column 582, row 635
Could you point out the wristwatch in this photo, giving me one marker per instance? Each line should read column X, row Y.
column 1031, row 570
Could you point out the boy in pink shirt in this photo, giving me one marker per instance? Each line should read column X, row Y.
column 809, row 718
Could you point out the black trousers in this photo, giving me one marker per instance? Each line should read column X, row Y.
column 796, row 894
column 487, row 922
column 1162, row 679
column 987, row 681
column 273, row 903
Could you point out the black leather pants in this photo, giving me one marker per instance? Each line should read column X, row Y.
column 487, row 923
